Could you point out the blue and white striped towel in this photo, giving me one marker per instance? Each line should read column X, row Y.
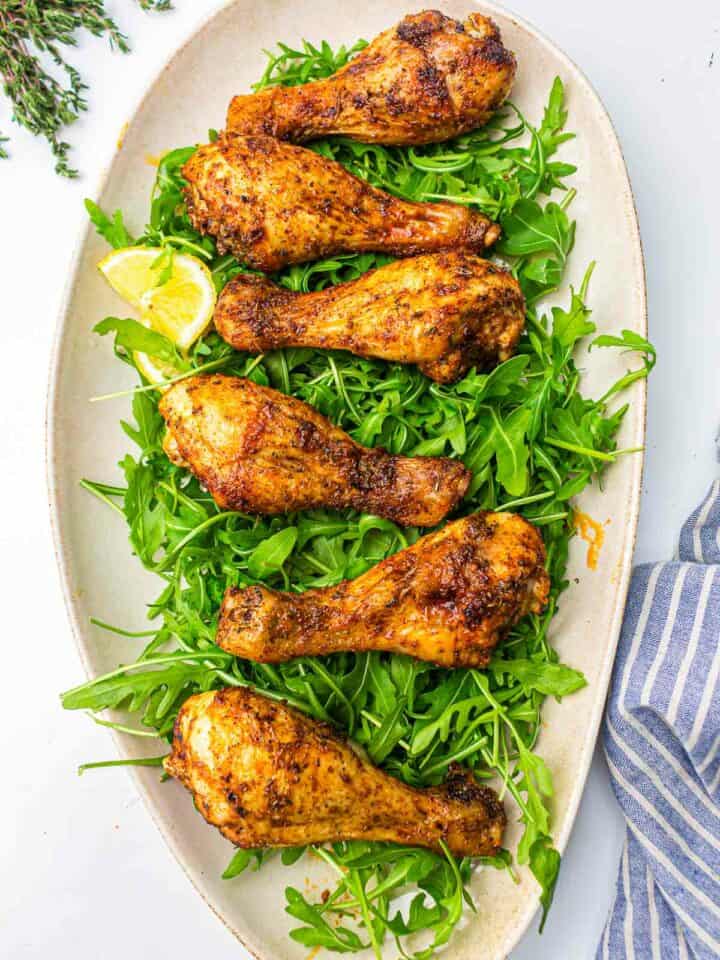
column 662, row 742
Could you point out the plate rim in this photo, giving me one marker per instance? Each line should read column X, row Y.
column 52, row 416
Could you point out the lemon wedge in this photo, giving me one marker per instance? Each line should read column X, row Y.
column 154, row 371
column 181, row 308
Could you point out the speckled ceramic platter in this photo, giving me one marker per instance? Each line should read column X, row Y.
column 99, row 574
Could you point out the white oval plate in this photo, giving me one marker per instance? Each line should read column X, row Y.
column 100, row 577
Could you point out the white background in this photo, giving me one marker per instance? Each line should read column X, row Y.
column 83, row 872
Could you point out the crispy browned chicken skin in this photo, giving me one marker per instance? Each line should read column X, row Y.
column 260, row 451
column 444, row 311
column 269, row 776
column 449, row 599
column 428, row 79
column 270, row 204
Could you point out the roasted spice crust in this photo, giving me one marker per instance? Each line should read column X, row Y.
column 272, row 204
column 449, row 598
column 446, row 312
column 426, row 80
column 269, row 776
column 260, row 451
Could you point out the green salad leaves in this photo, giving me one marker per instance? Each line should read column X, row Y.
column 533, row 441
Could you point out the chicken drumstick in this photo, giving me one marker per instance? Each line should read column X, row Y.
column 425, row 80
column 271, row 204
column 269, row 776
column 260, row 451
column 444, row 311
column 449, row 599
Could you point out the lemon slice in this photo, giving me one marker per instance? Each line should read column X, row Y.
column 154, row 371
column 181, row 308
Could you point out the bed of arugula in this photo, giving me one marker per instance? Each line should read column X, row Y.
column 533, row 442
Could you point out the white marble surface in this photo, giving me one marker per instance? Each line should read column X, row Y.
column 83, row 872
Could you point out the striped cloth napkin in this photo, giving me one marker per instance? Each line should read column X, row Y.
column 662, row 742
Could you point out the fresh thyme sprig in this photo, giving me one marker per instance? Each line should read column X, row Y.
column 35, row 31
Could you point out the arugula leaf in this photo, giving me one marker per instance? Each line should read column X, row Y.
column 127, row 762
column 550, row 132
column 633, row 342
column 269, row 556
column 551, row 679
column 545, row 272
column 630, row 340
column 571, row 325
column 111, row 229
column 531, row 228
column 150, row 426
column 512, row 451
column 537, row 785
column 241, row 860
column 146, row 518
column 318, row 932
column 291, row 67
column 174, row 677
column 132, row 336
column 163, row 264
column 388, row 734
column 545, row 865
column 498, row 383
column 420, row 917
column 454, row 717
column 291, row 855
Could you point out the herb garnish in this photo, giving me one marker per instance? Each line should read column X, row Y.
column 533, row 441
column 35, row 30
